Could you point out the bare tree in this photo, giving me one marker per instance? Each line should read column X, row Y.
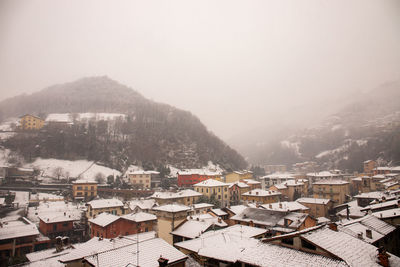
column 58, row 172
column 100, row 178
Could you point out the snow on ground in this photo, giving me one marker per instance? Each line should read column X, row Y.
column 173, row 171
column 22, row 198
column 68, row 117
column 45, row 197
column 48, row 208
column 342, row 148
column 83, row 169
column 8, row 125
column 6, row 135
column 4, row 154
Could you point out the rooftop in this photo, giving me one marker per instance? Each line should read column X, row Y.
column 197, row 226
column 104, row 219
column 285, row 206
column 56, row 217
column 219, row 212
column 322, row 174
column 81, row 181
column 105, row 203
column 262, row 193
column 173, row 195
column 140, row 217
column 172, row 208
column 387, row 213
column 211, row 183
column 17, row 228
column 331, row 182
column 310, row 200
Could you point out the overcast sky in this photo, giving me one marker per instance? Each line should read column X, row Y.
column 234, row 64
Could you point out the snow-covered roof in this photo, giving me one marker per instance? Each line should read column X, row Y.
column 279, row 175
column 142, row 172
column 237, row 208
column 262, row 193
column 387, row 213
column 354, row 210
column 81, row 181
column 271, row 218
column 353, row 251
column 219, row 212
column 173, row 195
column 195, row 227
column 321, row 220
column 140, row 217
column 105, row 203
column 239, row 184
column 385, row 204
column 172, row 208
column 285, row 206
column 100, row 245
column 202, row 205
column 331, row 182
column 211, row 183
column 47, row 257
column 379, row 176
column 251, row 181
column 104, row 219
column 59, row 217
column 371, row 195
column 235, row 248
column 143, row 204
column 17, row 228
column 310, row 200
column 322, row 174
column 149, row 253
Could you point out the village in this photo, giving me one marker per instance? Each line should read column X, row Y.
column 301, row 216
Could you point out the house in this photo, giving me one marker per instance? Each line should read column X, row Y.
column 369, row 166
column 262, row 196
column 236, row 190
column 277, row 222
column 319, row 207
column 276, row 178
column 350, row 210
column 219, row 213
column 141, row 205
column 365, row 199
column 214, row 188
column 329, row 241
column 110, row 226
column 196, row 225
column 84, row 189
column 30, row 122
column 293, row 206
column 59, row 120
column 337, row 191
column 238, row 175
column 374, row 231
column 190, row 177
column 17, row 238
column 252, row 183
column 58, row 224
column 113, row 206
column 169, row 217
column 231, row 248
column 185, row 197
column 381, row 206
column 291, row 189
column 132, row 250
column 324, row 175
column 391, row 216
column 141, row 178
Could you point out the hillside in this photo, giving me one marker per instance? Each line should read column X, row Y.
column 368, row 128
column 151, row 134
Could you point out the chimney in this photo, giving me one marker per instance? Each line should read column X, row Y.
column 256, row 192
column 360, row 235
column 280, row 205
column 162, row 262
column 383, row 257
column 333, row 227
column 219, row 220
column 368, row 233
column 270, row 206
column 65, row 214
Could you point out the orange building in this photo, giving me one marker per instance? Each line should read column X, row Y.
column 31, row 122
column 110, row 226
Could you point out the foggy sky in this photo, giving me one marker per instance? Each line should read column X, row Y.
column 234, row 64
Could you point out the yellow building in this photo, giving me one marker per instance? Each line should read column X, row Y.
column 140, row 178
column 262, row 196
column 31, row 122
column 213, row 187
column 318, row 207
column 292, row 189
column 169, row 217
column 337, row 191
column 83, row 189
column 238, row 175
column 113, row 206
column 186, row 197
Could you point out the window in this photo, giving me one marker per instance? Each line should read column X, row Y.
column 65, row 224
column 288, row 241
column 55, row 227
column 307, row 245
column 92, row 187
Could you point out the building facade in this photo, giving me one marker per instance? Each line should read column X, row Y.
column 31, row 122
column 83, row 189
